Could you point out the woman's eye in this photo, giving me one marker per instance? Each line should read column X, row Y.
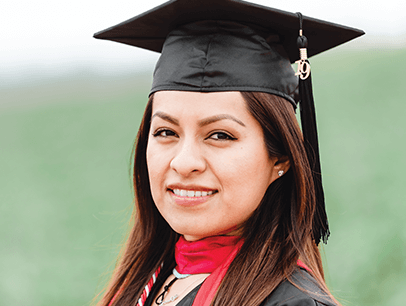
column 221, row 136
column 163, row 133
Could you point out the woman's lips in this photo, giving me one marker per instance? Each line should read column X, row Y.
column 192, row 193
column 185, row 197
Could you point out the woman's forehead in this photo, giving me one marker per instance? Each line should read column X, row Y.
column 198, row 101
column 204, row 108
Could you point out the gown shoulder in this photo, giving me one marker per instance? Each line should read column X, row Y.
column 289, row 294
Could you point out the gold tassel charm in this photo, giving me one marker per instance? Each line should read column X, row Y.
column 303, row 65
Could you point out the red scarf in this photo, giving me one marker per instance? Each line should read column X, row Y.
column 204, row 256
column 209, row 255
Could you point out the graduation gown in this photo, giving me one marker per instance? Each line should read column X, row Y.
column 286, row 294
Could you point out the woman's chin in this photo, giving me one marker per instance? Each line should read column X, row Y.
column 195, row 235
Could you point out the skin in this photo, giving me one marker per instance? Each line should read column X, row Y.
column 207, row 142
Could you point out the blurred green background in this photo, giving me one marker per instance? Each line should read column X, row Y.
column 65, row 186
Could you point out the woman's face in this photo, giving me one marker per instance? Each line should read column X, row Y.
column 207, row 162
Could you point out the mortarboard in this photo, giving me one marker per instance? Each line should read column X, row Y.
column 233, row 45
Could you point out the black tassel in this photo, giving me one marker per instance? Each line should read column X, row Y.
column 309, row 129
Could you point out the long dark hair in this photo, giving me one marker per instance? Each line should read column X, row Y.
column 276, row 235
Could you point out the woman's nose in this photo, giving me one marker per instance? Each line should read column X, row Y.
column 188, row 158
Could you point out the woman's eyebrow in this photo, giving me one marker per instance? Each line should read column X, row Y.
column 202, row 122
column 216, row 118
column 166, row 117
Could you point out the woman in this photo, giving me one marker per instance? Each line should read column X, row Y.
column 229, row 205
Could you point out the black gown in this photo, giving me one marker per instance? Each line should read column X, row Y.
column 286, row 294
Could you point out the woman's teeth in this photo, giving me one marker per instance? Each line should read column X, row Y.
column 191, row 193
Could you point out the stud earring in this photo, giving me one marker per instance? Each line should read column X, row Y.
column 280, row 172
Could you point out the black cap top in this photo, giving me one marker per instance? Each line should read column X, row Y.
column 150, row 29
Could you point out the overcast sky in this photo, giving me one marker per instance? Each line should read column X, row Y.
column 53, row 36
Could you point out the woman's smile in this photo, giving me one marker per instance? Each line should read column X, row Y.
column 190, row 198
column 207, row 161
column 191, row 195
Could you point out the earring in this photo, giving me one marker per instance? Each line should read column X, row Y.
column 280, row 172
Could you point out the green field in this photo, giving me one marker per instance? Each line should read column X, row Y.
column 65, row 195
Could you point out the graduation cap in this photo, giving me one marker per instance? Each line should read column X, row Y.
column 234, row 45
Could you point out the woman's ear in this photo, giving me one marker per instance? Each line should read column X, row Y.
column 282, row 164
